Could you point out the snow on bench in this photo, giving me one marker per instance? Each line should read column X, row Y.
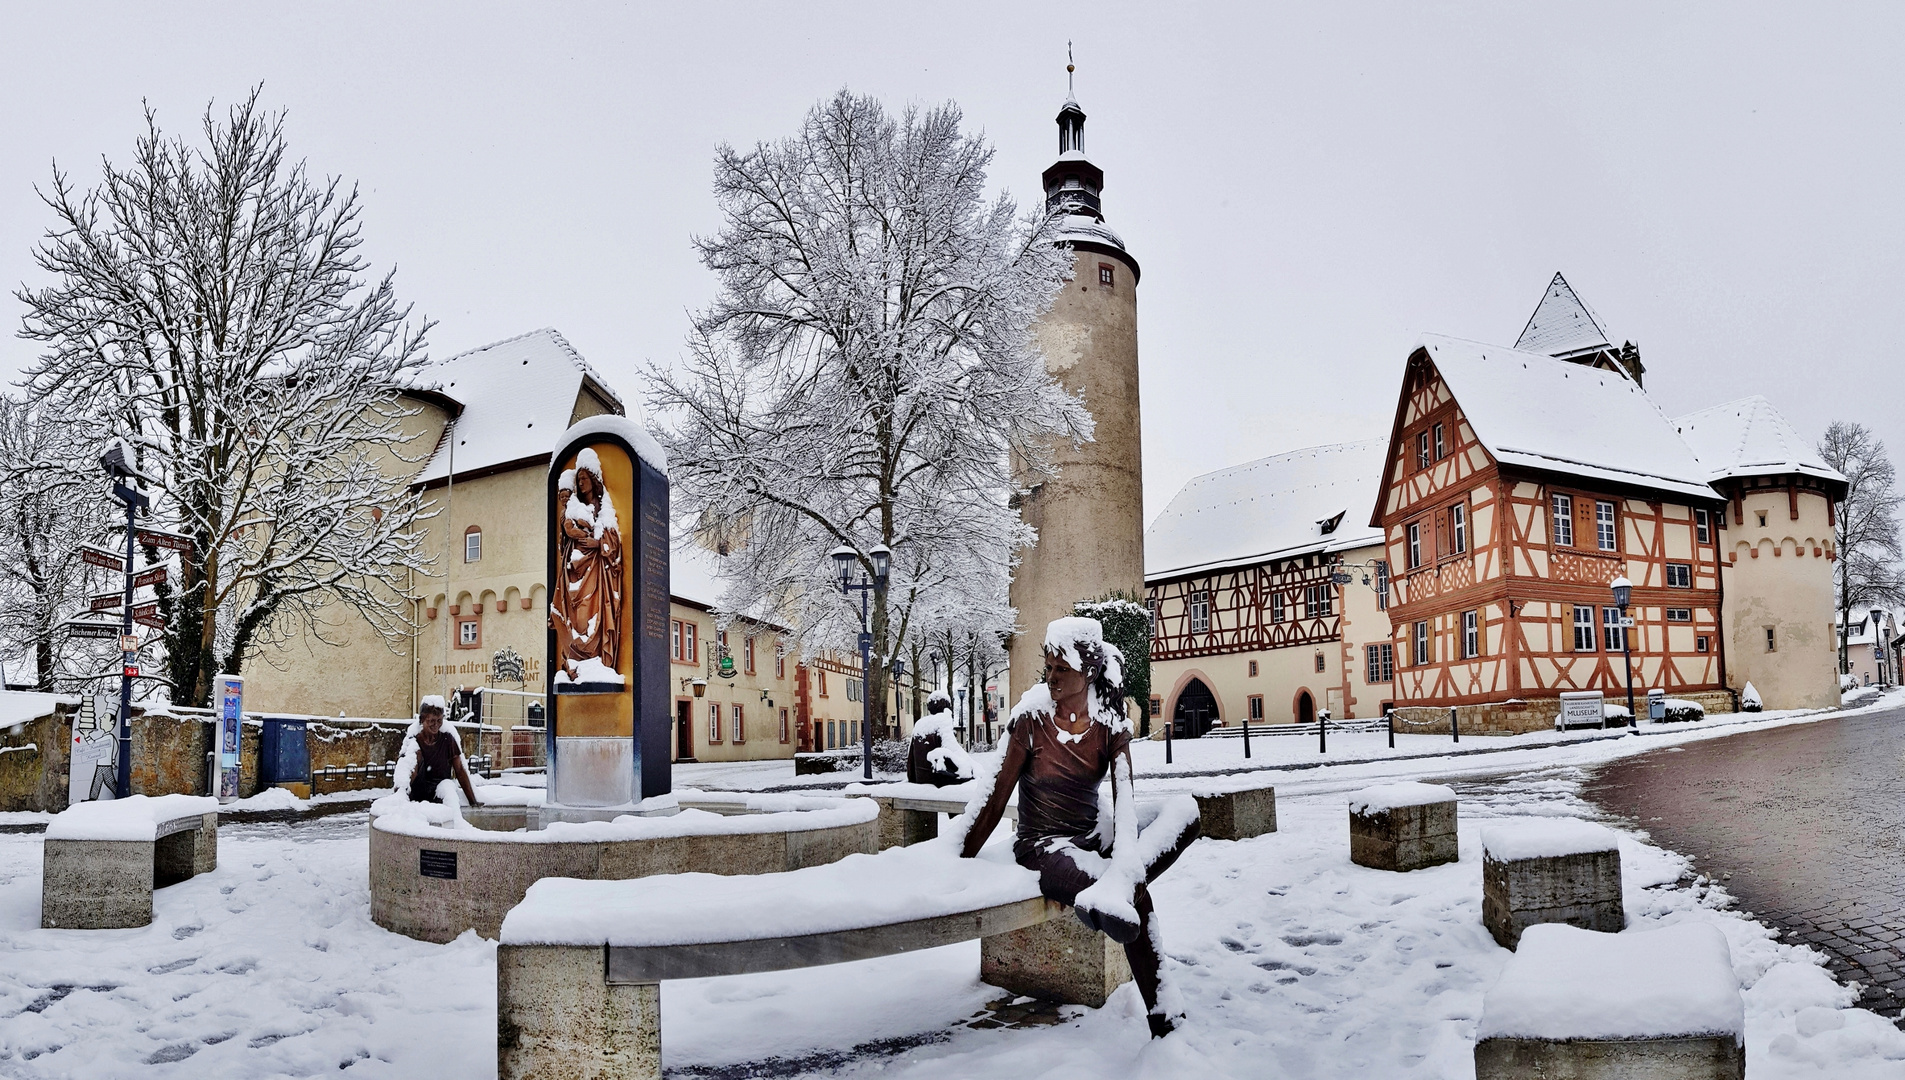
column 101, row 860
column 580, row 963
column 679, row 926
column 1629, row 1003
column 140, row 817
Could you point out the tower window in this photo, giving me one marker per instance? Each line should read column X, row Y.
column 473, row 544
column 1104, row 274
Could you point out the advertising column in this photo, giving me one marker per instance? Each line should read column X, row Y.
column 228, row 697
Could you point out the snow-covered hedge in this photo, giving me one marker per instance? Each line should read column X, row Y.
column 1680, row 710
column 1749, row 699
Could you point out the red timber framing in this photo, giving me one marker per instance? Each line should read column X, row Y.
column 1488, row 585
column 1271, row 605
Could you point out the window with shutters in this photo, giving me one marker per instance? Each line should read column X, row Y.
column 1604, row 525
column 1422, row 450
column 1471, row 635
column 1583, row 628
column 1458, row 529
column 1561, row 510
column 1415, row 544
column 1441, row 449
column 1380, row 664
column 1613, row 636
column 1420, row 644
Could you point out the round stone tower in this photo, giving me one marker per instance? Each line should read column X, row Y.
column 1090, row 517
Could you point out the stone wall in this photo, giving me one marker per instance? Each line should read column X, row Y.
column 1521, row 717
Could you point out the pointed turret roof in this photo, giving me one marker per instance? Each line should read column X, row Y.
column 1749, row 437
column 1562, row 325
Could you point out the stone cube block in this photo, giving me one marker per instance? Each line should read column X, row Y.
column 1059, row 960
column 1546, row 871
column 1238, row 815
column 1403, row 827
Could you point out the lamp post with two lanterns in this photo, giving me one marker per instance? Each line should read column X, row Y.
column 881, row 559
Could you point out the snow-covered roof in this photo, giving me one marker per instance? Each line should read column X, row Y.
column 1749, row 437
column 1084, row 228
column 1270, row 508
column 1536, row 412
column 518, row 396
column 691, row 574
column 1562, row 324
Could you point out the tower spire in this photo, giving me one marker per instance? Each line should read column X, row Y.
column 1070, row 94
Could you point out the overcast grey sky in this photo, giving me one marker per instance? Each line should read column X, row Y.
column 1308, row 188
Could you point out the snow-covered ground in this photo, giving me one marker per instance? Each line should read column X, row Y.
column 1292, row 961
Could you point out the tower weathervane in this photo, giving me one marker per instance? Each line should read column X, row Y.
column 1069, row 68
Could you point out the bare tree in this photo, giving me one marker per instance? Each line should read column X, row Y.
column 1867, row 530
column 52, row 500
column 868, row 368
column 208, row 303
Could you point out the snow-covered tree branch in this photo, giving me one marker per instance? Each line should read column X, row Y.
column 209, row 304
column 867, row 371
column 1867, row 524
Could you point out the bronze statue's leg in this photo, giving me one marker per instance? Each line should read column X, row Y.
column 1142, row 953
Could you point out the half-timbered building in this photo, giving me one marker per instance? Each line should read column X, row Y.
column 1516, row 488
column 1266, row 589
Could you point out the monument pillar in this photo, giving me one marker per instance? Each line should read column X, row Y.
column 1090, row 517
column 607, row 672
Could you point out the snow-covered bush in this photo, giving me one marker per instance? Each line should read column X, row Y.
column 1680, row 710
column 1848, row 682
column 1749, row 699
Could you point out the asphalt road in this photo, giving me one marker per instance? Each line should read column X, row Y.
column 1805, row 825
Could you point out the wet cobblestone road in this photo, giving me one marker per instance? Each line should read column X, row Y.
column 1805, row 825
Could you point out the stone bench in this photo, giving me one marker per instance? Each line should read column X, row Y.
column 1590, row 1006
column 1403, row 826
column 1550, row 870
column 102, row 860
column 580, row 963
column 909, row 813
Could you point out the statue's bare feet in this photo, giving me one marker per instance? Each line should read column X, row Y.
column 1161, row 1025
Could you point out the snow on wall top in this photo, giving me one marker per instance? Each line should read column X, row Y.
column 1546, row 838
column 1568, row 983
column 517, row 395
column 1269, row 508
column 134, row 818
column 899, row 884
column 1537, row 412
column 628, row 430
column 1749, row 437
column 19, row 706
column 1562, row 324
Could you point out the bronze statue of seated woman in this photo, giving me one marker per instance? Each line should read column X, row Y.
column 1067, row 734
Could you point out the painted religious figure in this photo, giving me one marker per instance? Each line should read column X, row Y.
column 587, row 607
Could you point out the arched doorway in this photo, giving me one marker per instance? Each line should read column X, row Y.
column 1195, row 712
column 1305, row 707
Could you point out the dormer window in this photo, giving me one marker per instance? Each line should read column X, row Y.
column 1329, row 524
column 473, row 544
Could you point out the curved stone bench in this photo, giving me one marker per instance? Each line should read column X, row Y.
column 102, row 859
column 432, row 882
column 580, row 963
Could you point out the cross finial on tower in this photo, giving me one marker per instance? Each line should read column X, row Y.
column 1069, row 68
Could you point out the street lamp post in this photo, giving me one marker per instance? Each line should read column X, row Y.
column 1624, row 592
column 882, row 559
column 123, row 477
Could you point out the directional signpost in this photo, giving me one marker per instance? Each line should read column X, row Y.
column 169, row 541
column 92, row 628
column 117, row 465
column 94, row 555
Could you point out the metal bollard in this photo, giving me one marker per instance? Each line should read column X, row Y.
column 1169, row 724
column 1454, row 731
column 1389, row 716
column 1246, row 736
column 1322, row 735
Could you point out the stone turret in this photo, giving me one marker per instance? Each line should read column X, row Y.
column 1090, row 517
